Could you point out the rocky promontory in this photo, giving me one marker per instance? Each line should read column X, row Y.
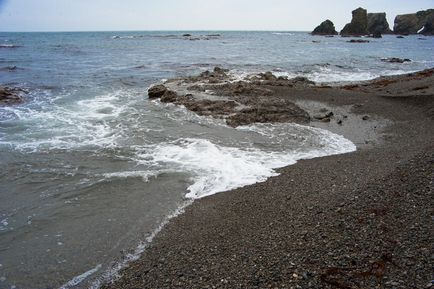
column 421, row 22
column 215, row 94
column 325, row 28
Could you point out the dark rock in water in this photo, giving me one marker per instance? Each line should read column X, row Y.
column 376, row 35
column 377, row 24
column 186, row 35
column 325, row 28
column 267, row 76
column 163, row 93
column 358, row 25
column 169, row 96
column 9, row 68
column 400, row 36
column 422, row 21
column 157, row 91
column 324, row 116
column 420, row 38
column 215, row 76
column 213, row 35
column 9, row 96
column 395, row 60
column 358, row 41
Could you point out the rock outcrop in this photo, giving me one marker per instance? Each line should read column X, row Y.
column 9, row 96
column 429, row 23
column 358, row 25
column 325, row 28
column 422, row 21
column 377, row 24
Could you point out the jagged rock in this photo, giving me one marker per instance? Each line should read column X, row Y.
column 377, row 24
column 9, row 95
column 358, row 25
column 422, row 21
column 376, row 35
column 325, row 28
column 157, row 91
column 358, row 41
column 395, row 60
column 429, row 24
column 406, row 24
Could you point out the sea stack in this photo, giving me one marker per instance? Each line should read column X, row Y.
column 358, row 25
column 377, row 24
column 421, row 22
column 325, row 28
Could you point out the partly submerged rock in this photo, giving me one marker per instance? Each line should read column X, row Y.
column 377, row 24
column 358, row 25
column 9, row 95
column 358, row 41
column 376, row 35
column 157, row 91
column 325, row 28
column 395, row 60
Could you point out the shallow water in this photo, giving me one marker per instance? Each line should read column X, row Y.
column 92, row 168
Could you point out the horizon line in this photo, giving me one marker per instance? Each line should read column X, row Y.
column 156, row 30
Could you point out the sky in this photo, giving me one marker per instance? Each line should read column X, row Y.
column 114, row 15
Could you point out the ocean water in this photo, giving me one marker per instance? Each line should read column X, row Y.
column 92, row 170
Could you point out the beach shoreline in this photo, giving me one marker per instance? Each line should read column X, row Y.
column 358, row 219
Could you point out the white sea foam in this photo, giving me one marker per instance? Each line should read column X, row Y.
column 3, row 224
column 218, row 168
column 283, row 33
column 145, row 175
column 86, row 122
column 330, row 75
column 78, row 279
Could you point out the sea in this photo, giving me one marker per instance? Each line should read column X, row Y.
column 92, row 170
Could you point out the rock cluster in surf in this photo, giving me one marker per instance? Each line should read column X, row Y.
column 212, row 93
column 9, row 96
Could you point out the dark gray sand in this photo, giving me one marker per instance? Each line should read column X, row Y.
column 359, row 220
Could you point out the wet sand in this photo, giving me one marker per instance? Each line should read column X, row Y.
column 357, row 220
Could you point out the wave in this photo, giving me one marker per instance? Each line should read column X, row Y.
column 9, row 46
column 58, row 123
column 283, row 33
column 217, row 168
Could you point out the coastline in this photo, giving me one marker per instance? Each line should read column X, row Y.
column 358, row 219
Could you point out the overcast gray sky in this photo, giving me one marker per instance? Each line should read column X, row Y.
column 92, row 15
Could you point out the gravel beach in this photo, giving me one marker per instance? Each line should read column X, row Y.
column 358, row 220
